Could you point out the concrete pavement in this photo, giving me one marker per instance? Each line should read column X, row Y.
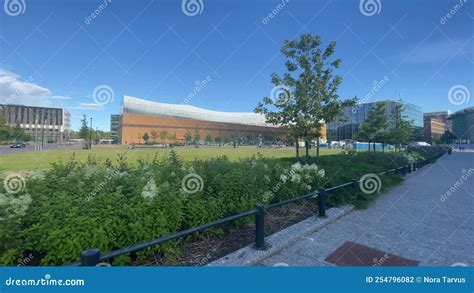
column 428, row 218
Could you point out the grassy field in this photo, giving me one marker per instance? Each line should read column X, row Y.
column 28, row 161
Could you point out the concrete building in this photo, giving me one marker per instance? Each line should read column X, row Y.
column 141, row 116
column 41, row 123
column 463, row 125
column 346, row 127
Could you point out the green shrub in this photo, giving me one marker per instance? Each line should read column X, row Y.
column 76, row 206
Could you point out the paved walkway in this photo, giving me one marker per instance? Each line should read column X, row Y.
column 415, row 220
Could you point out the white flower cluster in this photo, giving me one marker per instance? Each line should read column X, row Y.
column 149, row 190
column 412, row 157
column 305, row 174
column 13, row 205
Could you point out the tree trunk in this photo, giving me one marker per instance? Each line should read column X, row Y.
column 306, row 145
column 317, row 148
column 297, row 145
column 383, row 147
column 369, row 147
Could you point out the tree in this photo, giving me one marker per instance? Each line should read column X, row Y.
column 447, row 137
column 154, row 135
column 401, row 132
column 4, row 130
column 146, row 137
column 16, row 132
column 305, row 96
column 173, row 137
column 84, row 131
column 376, row 127
column 218, row 140
column 208, row 139
column 163, row 135
column 188, row 137
column 197, row 136
column 97, row 136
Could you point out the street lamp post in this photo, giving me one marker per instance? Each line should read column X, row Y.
column 90, row 136
column 42, row 133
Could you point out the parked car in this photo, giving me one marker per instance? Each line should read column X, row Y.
column 18, row 145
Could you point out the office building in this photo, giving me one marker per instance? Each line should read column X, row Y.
column 442, row 116
column 463, row 125
column 115, row 125
column 348, row 125
column 433, row 129
column 41, row 123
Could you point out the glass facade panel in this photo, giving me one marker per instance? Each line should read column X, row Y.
column 348, row 125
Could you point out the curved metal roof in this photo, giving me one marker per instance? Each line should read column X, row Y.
column 145, row 107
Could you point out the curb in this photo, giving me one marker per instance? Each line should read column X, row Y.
column 249, row 256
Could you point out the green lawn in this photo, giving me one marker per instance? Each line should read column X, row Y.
column 27, row 161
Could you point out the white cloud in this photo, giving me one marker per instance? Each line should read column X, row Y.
column 89, row 106
column 440, row 51
column 14, row 90
column 60, row 98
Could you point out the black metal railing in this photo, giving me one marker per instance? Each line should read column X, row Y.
column 92, row 257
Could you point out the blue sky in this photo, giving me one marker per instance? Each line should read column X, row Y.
column 55, row 53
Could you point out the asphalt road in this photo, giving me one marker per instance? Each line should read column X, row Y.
column 29, row 148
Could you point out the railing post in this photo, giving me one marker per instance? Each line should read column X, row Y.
column 409, row 168
column 90, row 257
column 404, row 170
column 260, row 227
column 322, row 202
